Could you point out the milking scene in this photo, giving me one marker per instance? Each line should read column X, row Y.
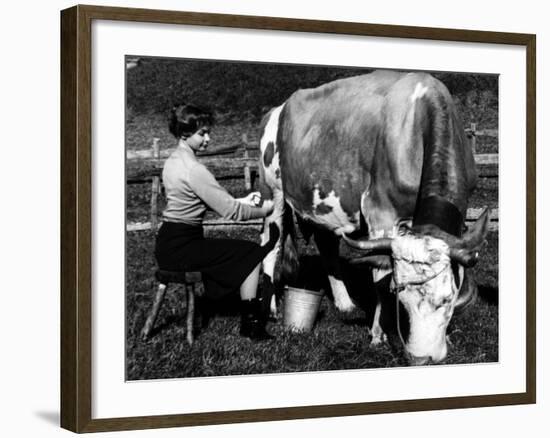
column 287, row 218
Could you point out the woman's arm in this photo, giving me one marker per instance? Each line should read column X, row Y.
column 218, row 199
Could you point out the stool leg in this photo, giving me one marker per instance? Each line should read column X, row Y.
column 159, row 297
column 190, row 313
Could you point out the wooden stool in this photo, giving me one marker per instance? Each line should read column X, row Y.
column 192, row 283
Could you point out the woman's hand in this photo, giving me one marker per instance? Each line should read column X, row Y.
column 254, row 199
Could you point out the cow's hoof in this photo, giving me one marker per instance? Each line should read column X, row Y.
column 345, row 305
column 378, row 339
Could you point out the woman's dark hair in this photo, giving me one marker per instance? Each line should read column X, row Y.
column 185, row 120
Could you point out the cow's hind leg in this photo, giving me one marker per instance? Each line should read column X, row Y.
column 271, row 186
column 270, row 263
column 328, row 243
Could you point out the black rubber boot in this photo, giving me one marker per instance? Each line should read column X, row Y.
column 253, row 321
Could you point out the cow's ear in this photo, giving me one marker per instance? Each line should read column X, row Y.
column 476, row 235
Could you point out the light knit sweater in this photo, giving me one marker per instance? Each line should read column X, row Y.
column 191, row 189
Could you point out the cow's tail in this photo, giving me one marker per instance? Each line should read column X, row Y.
column 290, row 263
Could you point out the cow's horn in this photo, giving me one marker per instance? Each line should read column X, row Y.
column 383, row 243
column 466, row 251
column 464, row 257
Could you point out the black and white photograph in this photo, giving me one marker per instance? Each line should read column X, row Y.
column 286, row 218
column 275, row 219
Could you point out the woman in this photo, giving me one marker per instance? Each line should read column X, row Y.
column 226, row 264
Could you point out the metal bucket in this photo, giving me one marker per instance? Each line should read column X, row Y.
column 301, row 307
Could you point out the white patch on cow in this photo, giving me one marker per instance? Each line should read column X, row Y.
column 336, row 219
column 270, row 136
column 276, row 216
column 342, row 301
column 272, row 171
column 419, row 91
column 270, row 260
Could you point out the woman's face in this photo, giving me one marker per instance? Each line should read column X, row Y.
column 199, row 140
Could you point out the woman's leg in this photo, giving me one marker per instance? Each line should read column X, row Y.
column 249, row 286
column 252, row 320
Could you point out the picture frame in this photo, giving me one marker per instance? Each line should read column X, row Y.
column 77, row 216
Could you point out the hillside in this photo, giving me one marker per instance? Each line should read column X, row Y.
column 240, row 93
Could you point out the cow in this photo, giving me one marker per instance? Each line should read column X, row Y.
column 381, row 161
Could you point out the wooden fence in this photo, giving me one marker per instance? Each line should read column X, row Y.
column 242, row 159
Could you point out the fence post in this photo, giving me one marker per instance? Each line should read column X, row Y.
column 247, row 181
column 473, row 127
column 155, row 188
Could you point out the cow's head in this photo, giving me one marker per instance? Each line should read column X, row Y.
column 425, row 281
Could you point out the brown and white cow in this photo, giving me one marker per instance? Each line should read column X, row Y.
column 387, row 149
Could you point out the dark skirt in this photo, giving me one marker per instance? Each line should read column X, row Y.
column 224, row 263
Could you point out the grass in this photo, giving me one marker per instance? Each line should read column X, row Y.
column 337, row 342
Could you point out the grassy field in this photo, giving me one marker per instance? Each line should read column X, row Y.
column 239, row 95
column 338, row 341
